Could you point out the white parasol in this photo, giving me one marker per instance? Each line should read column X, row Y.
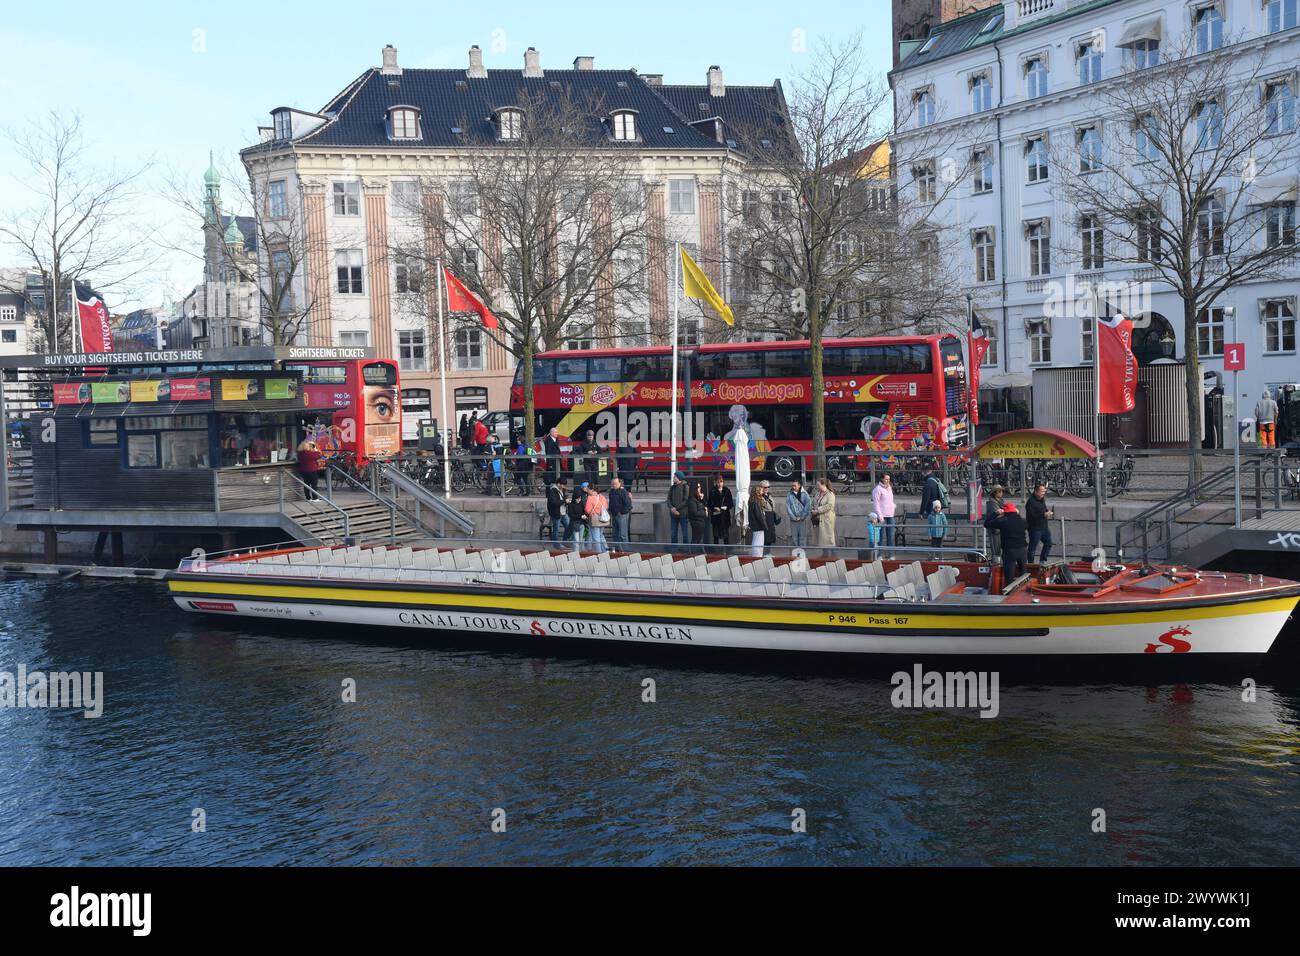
column 740, row 444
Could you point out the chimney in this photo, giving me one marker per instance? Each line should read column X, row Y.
column 584, row 63
column 476, row 71
column 653, row 79
column 532, row 62
column 390, row 67
column 716, row 86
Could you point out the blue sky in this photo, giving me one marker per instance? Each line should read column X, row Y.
column 172, row 80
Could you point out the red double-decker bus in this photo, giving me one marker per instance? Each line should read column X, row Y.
column 882, row 394
column 367, row 420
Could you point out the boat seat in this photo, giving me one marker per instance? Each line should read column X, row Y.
column 836, row 570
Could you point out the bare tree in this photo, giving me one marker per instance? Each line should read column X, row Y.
column 547, row 224
column 827, row 240
column 278, row 267
column 81, row 224
column 1174, row 182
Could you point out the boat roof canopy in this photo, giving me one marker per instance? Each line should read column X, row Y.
column 1035, row 443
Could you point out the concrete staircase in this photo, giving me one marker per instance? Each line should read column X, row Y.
column 367, row 520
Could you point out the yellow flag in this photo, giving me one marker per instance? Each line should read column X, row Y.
column 696, row 285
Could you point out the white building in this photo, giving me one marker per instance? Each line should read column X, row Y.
column 1015, row 84
column 348, row 174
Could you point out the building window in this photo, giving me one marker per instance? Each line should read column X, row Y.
column 982, row 160
column 1086, row 338
column 925, row 109
column 1279, row 107
column 406, row 197
column 1209, row 124
column 577, row 337
column 409, row 277
column 1210, row 326
column 8, row 336
column 681, row 196
column 1040, row 342
column 1039, row 239
column 1147, row 234
column 464, row 261
column 462, row 197
column 1281, row 14
column 981, row 93
column 751, row 203
column 1281, row 224
column 8, row 313
column 410, row 350
column 985, row 256
column 469, row 349
column 1092, row 242
column 781, row 205
column 354, row 339
column 923, row 176
column 347, row 199
column 1146, row 54
column 510, row 124
column 1036, row 159
column 1208, row 22
column 1279, row 326
column 991, row 334
column 1209, row 228
column 405, row 123
column 624, row 126
column 1145, row 138
column 284, row 125
column 348, row 264
column 636, row 335
column 1036, row 77
column 1090, row 150
column 1089, row 55
column 688, row 332
column 277, row 205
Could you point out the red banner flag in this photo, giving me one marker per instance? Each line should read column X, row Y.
column 460, row 299
column 1117, row 368
column 92, row 314
column 978, row 343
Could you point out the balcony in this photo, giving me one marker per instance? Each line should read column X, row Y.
column 1032, row 9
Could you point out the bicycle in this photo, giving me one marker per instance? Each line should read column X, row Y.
column 1119, row 478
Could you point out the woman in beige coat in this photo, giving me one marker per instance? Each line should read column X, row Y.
column 823, row 514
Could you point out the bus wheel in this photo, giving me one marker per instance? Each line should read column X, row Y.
column 784, row 466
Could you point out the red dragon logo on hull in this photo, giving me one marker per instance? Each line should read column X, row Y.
column 1171, row 640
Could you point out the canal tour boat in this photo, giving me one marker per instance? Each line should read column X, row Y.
column 787, row 604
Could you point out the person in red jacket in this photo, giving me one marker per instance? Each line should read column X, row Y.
column 310, row 465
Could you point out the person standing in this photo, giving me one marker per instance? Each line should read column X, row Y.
column 1038, row 514
column 678, row 497
column 798, row 506
column 993, row 508
column 310, row 465
column 720, row 507
column 1266, row 421
column 596, row 510
column 557, row 508
column 823, row 515
column 697, row 513
column 938, row 523
column 873, row 536
column 551, row 447
column 758, row 523
column 1013, row 531
column 466, row 431
column 593, row 458
column 578, row 515
column 882, row 503
column 934, row 490
column 620, row 512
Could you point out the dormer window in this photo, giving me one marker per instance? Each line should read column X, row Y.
column 623, row 125
column 404, row 122
column 510, row 124
column 283, row 124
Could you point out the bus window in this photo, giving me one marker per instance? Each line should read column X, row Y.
column 744, row 365
column 707, row 365
column 647, row 368
column 321, row 374
column 788, row 363
column 571, row 370
column 543, row 372
column 791, row 424
column 606, row 369
column 379, row 373
column 846, row 362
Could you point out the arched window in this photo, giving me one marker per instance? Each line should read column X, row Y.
column 510, row 124
column 623, row 125
column 404, row 122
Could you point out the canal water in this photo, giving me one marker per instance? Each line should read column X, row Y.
column 244, row 728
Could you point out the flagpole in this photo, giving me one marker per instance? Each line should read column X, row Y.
column 1097, row 498
column 442, row 380
column 972, row 399
column 677, row 288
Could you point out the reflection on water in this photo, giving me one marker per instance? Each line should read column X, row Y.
column 251, row 727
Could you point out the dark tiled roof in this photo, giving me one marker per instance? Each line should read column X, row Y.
column 744, row 110
column 447, row 99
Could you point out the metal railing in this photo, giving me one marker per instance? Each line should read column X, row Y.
column 422, row 499
column 310, row 494
column 333, row 472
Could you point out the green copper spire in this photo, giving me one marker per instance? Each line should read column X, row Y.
column 233, row 236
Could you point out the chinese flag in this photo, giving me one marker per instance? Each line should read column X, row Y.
column 1117, row 369
column 978, row 344
column 460, row 299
